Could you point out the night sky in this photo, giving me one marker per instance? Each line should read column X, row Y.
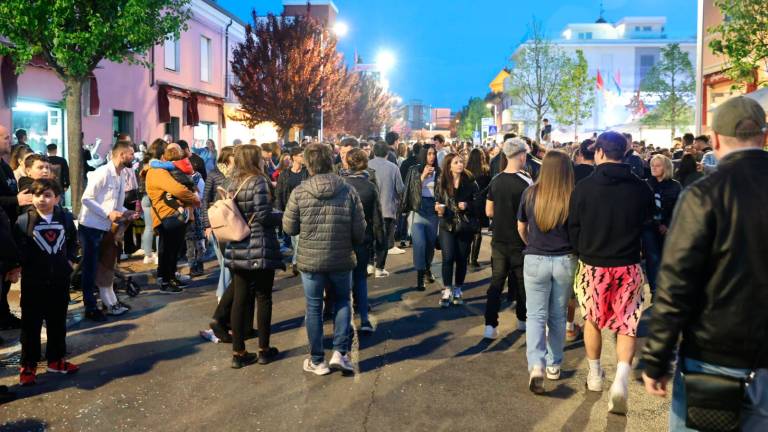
column 449, row 50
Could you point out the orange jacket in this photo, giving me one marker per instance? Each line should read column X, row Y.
column 160, row 181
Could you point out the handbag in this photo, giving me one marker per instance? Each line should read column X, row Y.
column 462, row 222
column 226, row 220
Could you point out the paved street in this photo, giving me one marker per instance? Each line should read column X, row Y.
column 425, row 369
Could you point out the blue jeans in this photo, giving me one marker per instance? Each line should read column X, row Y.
column 90, row 242
column 652, row 243
column 340, row 284
column 424, row 234
column 225, row 275
column 148, row 235
column 360, row 281
column 754, row 414
column 548, row 285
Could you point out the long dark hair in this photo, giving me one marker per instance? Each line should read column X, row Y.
column 423, row 155
column 686, row 168
column 446, row 176
column 477, row 163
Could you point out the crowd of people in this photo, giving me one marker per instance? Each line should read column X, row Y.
column 576, row 225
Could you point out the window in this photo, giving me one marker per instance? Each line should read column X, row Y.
column 171, row 53
column 585, row 35
column 172, row 128
column 122, row 122
column 205, row 131
column 205, row 59
column 647, row 28
column 637, row 28
column 647, row 61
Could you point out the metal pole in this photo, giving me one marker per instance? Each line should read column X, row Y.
column 700, row 69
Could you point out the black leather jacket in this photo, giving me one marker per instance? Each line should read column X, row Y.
column 713, row 283
column 412, row 196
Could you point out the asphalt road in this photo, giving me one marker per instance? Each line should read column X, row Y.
column 424, row 369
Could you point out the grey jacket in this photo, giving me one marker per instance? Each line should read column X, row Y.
column 390, row 186
column 327, row 215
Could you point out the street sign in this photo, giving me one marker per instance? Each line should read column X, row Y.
column 486, row 122
column 492, row 130
column 476, row 137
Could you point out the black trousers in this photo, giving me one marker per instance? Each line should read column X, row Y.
column 506, row 264
column 477, row 242
column 455, row 248
column 249, row 287
column 171, row 232
column 47, row 303
column 389, row 239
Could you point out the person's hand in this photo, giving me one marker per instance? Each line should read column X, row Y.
column 208, row 232
column 440, row 209
column 115, row 215
column 663, row 229
column 428, row 170
column 462, row 206
column 24, row 197
column 656, row 387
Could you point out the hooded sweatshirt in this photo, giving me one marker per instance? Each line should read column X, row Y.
column 607, row 213
column 327, row 215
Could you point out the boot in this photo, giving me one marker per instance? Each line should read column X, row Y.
column 420, row 280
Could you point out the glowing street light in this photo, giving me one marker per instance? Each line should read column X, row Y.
column 385, row 61
column 340, row 29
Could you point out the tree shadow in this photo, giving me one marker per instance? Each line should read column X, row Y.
column 24, row 425
column 420, row 349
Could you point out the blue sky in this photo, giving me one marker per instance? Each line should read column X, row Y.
column 449, row 50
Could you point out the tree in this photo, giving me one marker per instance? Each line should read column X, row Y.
column 285, row 67
column 536, row 75
column 742, row 38
column 73, row 36
column 471, row 117
column 574, row 100
column 364, row 107
column 671, row 85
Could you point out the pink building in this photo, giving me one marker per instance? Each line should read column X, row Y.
column 185, row 94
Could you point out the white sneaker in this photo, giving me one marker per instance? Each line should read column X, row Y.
column 457, row 296
column 521, row 326
column 617, row 403
column 341, row 362
column 395, row 251
column 381, row 273
column 445, row 298
column 553, row 373
column 370, row 269
column 116, row 309
column 139, row 252
column 149, row 259
column 595, row 380
column 317, row 369
column 536, row 380
column 183, row 277
column 155, row 258
column 490, row 332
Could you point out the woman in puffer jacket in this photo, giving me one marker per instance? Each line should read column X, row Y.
column 253, row 261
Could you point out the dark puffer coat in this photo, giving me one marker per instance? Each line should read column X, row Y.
column 215, row 180
column 327, row 215
column 261, row 250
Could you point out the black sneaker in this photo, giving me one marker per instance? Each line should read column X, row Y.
column 239, row 361
column 170, row 288
column 268, row 355
column 179, row 283
column 429, row 277
column 95, row 315
column 10, row 322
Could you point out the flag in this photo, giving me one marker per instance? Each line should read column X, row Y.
column 617, row 82
column 600, row 84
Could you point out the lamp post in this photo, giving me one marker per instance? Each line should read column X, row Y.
column 339, row 29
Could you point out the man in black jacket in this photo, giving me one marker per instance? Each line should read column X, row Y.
column 607, row 212
column 9, row 261
column 10, row 200
column 712, row 285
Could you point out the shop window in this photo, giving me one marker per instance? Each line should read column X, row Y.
column 172, row 128
column 205, row 131
column 122, row 122
column 43, row 124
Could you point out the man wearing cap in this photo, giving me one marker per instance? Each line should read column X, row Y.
column 713, row 284
column 607, row 212
column 504, row 194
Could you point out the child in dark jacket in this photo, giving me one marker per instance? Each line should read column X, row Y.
column 47, row 241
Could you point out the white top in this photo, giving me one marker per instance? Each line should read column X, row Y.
column 105, row 193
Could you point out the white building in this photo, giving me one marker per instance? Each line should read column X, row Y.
column 623, row 53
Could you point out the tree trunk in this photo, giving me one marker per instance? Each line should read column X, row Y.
column 539, row 117
column 73, row 90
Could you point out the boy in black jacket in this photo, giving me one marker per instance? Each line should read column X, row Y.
column 47, row 242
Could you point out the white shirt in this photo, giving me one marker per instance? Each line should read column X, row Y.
column 105, row 193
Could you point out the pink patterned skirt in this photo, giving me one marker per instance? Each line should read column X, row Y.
column 611, row 297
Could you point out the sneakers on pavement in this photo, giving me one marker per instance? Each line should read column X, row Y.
column 573, row 335
column 595, row 380
column 116, row 309
column 149, row 259
column 521, row 326
column 341, row 362
column 317, row 369
column 429, row 277
column 370, row 269
column 95, row 315
column 553, row 373
column 241, row 361
column 536, row 380
column 267, row 356
column 62, row 367
column 28, row 376
column 395, row 251
column 457, row 296
column 170, row 288
column 445, row 299
column 182, row 277
column 490, row 332
column 209, row 335
column 617, row 403
column 366, row 327
column 382, row 273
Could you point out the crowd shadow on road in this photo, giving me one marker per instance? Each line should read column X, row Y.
column 24, row 425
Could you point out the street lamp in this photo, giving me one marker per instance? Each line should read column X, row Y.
column 339, row 29
column 385, row 61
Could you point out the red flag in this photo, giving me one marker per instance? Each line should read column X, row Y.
column 600, row 84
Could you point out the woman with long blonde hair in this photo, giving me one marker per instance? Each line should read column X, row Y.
column 548, row 267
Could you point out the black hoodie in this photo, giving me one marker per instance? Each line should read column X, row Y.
column 608, row 210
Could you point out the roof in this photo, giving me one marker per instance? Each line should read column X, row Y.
column 312, row 2
column 497, row 85
column 218, row 7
